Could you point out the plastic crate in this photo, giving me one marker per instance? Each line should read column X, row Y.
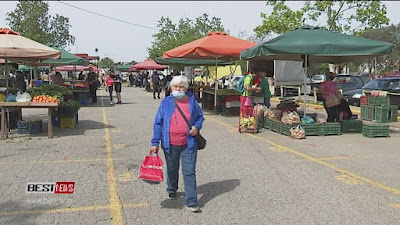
column 352, row 126
column 276, row 125
column 23, row 127
column 267, row 123
column 67, row 122
column 35, row 127
column 393, row 113
column 379, row 100
column 367, row 112
column 260, row 121
column 364, row 100
column 330, row 129
column 285, row 128
column 375, row 130
column 381, row 114
column 83, row 102
column 311, row 129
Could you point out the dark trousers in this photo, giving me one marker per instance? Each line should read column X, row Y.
column 156, row 88
column 110, row 90
column 93, row 89
column 333, row 113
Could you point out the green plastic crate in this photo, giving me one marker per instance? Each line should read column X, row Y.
column 330, row 129
column 381, row 114
column 379, row 100
column 393, row 113
column 375, row 130
column 285, row 129
column 268, row 123
column 352, row 126
column 311, row 129
column 260, row 121
column 367, row 112
column 275, row 125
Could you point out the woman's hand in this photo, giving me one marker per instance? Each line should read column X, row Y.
column 154, row 149
column 193, row 131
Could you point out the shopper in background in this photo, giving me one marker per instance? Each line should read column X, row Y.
column 109, row 86
column 178, row 138
column 93, row 81
column 155, row 79
column 117, row 85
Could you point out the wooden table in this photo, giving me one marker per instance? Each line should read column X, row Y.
column 3, row 105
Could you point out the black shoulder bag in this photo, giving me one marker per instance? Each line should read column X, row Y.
column 200, row 140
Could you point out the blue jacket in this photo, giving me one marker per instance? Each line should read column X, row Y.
column 163, row 120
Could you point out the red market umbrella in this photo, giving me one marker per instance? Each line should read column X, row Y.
column 216, row 45
column 148, row 64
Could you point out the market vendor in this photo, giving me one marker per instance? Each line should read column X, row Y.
column 57, row 79
column 245, row 101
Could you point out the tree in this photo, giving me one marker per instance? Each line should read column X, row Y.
column 172, row 35
column 352, row 17
column 32, row 20
column 107, row 63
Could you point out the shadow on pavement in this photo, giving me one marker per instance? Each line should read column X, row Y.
column 207, row 191
column 18, row 218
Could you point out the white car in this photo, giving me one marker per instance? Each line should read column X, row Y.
column 318, row 78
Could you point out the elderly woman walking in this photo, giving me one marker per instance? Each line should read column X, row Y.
column 178, row 138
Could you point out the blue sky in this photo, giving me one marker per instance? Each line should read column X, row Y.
column 126, row 42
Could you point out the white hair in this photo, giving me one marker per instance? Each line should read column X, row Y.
column 178, row 80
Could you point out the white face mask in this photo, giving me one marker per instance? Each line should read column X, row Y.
column 178, row 94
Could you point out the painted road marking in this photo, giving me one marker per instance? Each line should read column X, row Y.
column 349, row 179
column 115, row 131
column 125, row 177
column 70, row 210
column 321, row 162
column 64, row 160
column 115, row 202
column 395, row 205
column 276, row 149
column 119, row 146
column 351, row 157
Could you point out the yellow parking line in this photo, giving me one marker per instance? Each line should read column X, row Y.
column 55, row 161
column 352, row 157
column 321, row 162
column 69, row 210
column 115, row 202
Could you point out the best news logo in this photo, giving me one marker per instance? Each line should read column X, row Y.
column 51, row 187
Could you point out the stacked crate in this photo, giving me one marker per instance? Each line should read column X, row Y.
column 379, row 111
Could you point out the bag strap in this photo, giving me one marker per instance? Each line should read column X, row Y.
column 180, row 111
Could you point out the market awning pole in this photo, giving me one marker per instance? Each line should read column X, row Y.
column 216, row 84
column 305, row 83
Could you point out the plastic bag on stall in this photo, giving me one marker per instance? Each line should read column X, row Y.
column 23, row 97
column 247, row 102
column 321, row 118
column 307, row 120
column 297, row 132
column 11, row 97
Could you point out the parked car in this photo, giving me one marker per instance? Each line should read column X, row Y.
column 318, row 78
column 389, row 84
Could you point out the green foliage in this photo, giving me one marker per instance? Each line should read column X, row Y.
column 68, row 109
column 51, row 90
column 353, row 17
column 32, row 20
column 107, row 63
column 172, row 35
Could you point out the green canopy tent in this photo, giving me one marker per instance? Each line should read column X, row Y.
column 24, row 68
column 124, row 68
column 67, row 58
column 313, row 44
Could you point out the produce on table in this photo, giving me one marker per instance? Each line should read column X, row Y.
column 68, row 109
column 273, row 114
column 291, row 118
column 51, row 90
column 247, row 122
column 45, row 98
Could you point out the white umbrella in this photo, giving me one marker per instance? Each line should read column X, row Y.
column 16, row 47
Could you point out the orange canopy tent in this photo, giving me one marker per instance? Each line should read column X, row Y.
column 148, row 64
column 216, row 45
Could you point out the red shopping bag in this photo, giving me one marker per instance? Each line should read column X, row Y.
column 151, row 168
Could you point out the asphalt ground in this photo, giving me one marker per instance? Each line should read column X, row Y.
column 263, row 178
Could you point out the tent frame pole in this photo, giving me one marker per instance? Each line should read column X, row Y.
column 216, row 84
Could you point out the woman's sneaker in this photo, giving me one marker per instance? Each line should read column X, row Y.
column 172, row 195
column 193, row 208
